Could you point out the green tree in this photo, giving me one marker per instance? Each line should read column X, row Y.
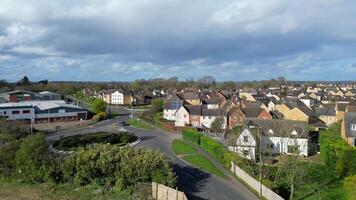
column 29, row 158
column 217, row 124
column 9, row 146
column 157, row 104
column 98, row 106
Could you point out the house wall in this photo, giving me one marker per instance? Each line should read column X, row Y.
column 297, row 115
column 193, row 101
column 271, row 106
column 194, row 120
column 117, row 98
column 328, row 120
column 248, row 96
column 169, row 114
column 208, row 120
column 264, row 115
column 280, row 145
column 182, row 117
column 242, row 147
column 236, row 118
column 213, row 106
column 284, row 110
column 127, row 99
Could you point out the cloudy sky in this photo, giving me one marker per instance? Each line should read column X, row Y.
column 121, row 40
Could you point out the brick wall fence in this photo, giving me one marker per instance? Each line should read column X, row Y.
column 162, row 192
column 254, row 184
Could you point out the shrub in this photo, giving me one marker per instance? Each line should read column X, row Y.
column 100, row 116
column 29, row 158
column 117, row 167
column 8, row 147
column 191, row 135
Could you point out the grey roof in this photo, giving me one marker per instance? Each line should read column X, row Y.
column 213, row 112
column 341, row 106
column 350, row 118
column 252, row 112
column 211, row 101
column 280, row 128
column 326, row 111
column 194, row 109
column 40, row 105
column 190, row 95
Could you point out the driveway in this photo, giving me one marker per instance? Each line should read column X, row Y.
column 195, row 183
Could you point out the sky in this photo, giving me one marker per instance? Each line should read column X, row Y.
column 124, row 40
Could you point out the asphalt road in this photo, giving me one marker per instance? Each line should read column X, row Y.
column 195, row 183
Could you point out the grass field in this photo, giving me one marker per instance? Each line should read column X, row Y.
column 139, row 124
column 203, row 163
column 179, row 147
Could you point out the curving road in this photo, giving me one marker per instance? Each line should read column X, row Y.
column 195, row 183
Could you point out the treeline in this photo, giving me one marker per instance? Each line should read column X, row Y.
column 26, row 159
column 206, row 82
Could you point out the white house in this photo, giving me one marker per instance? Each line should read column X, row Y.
column 170, row 108
column 117, row 98
column 182, row 117
column 274, row 137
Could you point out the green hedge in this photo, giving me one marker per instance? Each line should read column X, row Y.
column 191, row 135
column 214, row 148
column 336, row 153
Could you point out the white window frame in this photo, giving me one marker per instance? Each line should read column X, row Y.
column 353, row 127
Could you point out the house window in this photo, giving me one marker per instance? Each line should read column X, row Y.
column 353, row 127
column 26, row 111
column 292, row 149
column 245, row 138
column 185, row 116
column 245, row 152
column 209, row 117
column 4, row 112
column 15, row 112
column 61, row 110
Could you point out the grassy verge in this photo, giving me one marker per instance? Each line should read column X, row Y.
column 179, row 147
column 190, row 154
column 203, row 163
column 13, row 190
column 139, row 124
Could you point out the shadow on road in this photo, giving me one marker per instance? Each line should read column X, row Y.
column 190, row 180
column 143, row 138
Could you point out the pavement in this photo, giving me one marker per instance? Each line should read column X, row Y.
column 195, row 183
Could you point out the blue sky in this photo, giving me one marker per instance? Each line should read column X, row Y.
column 123, row 40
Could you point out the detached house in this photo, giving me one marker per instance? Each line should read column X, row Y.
column 171, row 106
column 274, row 137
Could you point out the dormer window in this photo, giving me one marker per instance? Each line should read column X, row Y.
column 271, row 131
column 294, row 132
column 353, row 127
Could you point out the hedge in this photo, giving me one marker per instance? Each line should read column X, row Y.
column 191, row 135
column 336, row 153
column 215, row 149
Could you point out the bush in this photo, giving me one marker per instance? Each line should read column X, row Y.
column 121, row 168
column 29, row 158
column 100, row 116
column 8, row 147
column 191, row 135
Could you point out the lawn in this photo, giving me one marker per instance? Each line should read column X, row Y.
column 203, row 163
column 179, row 147
column 139, row 124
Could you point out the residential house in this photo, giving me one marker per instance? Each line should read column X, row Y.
column 171, row 106
column 121, row 97
column 274, row 137
column 348, row 128
column 326, row 114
